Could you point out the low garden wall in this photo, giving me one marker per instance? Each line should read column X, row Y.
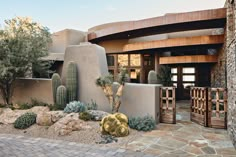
column 141, row 100
column 27, row 89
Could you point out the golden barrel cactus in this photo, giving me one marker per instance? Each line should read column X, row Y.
column 115, row 125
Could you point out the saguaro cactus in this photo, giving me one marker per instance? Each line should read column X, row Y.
column 72, row 81
column 56, row 82
column 152, row 77
column 61, row 97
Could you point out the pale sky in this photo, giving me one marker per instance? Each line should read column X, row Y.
column 84, row 14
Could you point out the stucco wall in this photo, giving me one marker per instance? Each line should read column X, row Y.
column 25, row 89
column 141, row 100
column 64, row 38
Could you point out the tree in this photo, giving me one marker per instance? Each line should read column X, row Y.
column 113, row 95
column 22, row 44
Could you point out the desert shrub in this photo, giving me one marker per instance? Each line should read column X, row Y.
column 92, row 106
column 75, row 106
column 145, row 123
column 25, row 120
column 85, row 116
column 36, row 102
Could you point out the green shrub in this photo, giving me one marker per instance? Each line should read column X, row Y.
column 85, row 116
column 25, row 120
column 92, row 106
column 75, row 106
column 145, row 123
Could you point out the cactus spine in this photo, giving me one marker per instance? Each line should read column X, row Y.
column 152, row 77
column 71, row 81
column 56, row 82
column 61, row 97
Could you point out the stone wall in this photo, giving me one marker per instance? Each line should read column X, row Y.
column 231, row 71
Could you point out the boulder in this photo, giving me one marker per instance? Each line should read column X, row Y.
column 39, row 109
column 56, row 115
column 69, row 123
column 44, row 119
column 9, row 116
column 97, row 114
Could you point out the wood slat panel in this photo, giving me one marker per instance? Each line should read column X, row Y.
column 189, row 59
column 176, row 42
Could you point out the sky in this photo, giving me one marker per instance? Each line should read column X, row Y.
column 84, row 14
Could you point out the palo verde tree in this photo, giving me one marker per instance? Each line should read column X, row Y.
column 22, row 44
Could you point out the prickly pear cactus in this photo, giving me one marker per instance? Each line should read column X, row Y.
column 115, row 125
column 152, row 77
column 61, row 98
column 72, row 81
column 56, row 82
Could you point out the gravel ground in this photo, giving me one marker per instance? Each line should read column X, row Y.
column 90, row 136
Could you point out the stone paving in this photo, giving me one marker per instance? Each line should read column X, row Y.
column 184, row 139
column 19, row 146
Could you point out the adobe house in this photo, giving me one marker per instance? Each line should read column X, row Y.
column 199, row 47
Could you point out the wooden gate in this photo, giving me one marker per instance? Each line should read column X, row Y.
column 217, row 108
column 167, row 105
column 199, row 105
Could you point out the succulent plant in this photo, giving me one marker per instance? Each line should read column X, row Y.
column 152, row 77
column 75, row 106
column 72, row 81
column 61, row 98
column 145, row 123
column 25, row 120
column 56, row 82
column 115, row 125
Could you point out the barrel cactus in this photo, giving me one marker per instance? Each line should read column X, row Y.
column 152, row 77
column 56, row 82
column 115, row 125
column 61, row 98
column 72, row 81
column 25, row 120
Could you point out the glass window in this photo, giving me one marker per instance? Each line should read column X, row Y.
column 188, row 70
column 188, row 78
column 110, row 60
column 135, row 60
column 174, row 78
column 173, row 70
column 123, row 60
column 175, row 85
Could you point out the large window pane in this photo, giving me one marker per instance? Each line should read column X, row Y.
column 174, row 78
column 173, row 70
column 188, row 78
column 110, row 60
column 188, row 70
column 123, row 60
column 135, row 60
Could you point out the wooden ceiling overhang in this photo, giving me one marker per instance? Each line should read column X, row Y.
column 205, row 19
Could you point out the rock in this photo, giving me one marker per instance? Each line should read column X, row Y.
column 69, row 123
column 9, row 116
column 44, row 119
column 39, row 109
column 98, row 115
column 56, row 115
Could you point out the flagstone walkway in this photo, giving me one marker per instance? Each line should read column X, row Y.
column 184, row 139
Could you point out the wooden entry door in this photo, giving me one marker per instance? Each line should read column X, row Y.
column 183, row 78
